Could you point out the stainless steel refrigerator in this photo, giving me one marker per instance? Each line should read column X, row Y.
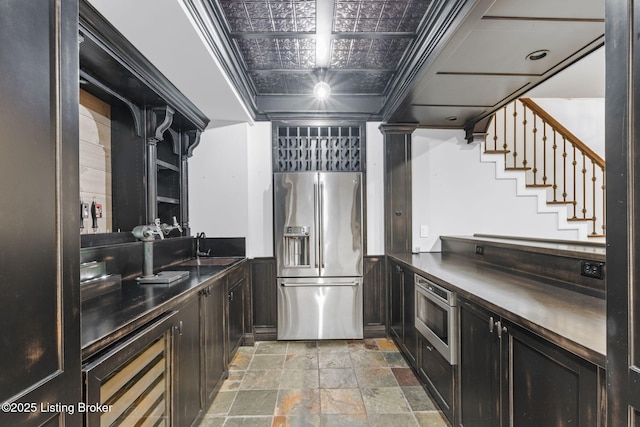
column 319, row 250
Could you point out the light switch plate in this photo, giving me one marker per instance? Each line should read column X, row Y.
column 424, row 231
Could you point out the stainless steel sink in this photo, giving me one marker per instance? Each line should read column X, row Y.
column 212, row 262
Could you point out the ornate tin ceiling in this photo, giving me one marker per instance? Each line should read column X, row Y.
column 287, row 46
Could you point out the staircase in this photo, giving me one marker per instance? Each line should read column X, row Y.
column 549, row 162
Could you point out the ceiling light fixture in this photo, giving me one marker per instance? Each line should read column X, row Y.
column 322, row 90
column 537, row 55
column 451, row 118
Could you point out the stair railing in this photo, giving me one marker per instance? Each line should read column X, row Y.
column 552, row 157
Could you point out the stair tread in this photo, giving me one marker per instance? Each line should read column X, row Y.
column 497, row 151
column 518, row 169
column 579, row 219
column 539, row 185
column 560, row 202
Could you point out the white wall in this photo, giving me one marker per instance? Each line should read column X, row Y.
column 584, row 117
column 455, row 194
column 218, row 183
column 375, row 190
column 260, row 191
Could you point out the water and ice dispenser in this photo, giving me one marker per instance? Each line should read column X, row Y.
column 296, row 246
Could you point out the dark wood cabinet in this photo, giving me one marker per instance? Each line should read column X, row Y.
column 402, row 310
column 187, row 371
column 236, row 295
column 374, row 297
column 511, row 376
column 40, row 307
column 548, row 386
column 154, row 127
column 479, row 367
column 264, row 295
column 212, row 323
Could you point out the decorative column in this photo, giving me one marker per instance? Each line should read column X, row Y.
column 152, row 157
column 397, row 186
column 622, row 153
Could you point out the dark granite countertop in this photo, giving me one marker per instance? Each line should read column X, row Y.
column 574, row 321
column 109, row 317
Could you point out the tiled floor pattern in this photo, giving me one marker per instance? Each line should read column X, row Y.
column 323, row 383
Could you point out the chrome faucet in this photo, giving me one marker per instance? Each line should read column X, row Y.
column 147, row 234
column 199, row 238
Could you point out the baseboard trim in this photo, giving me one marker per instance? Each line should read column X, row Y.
column 375, row 331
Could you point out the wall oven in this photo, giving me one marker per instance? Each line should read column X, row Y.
column 436, row 317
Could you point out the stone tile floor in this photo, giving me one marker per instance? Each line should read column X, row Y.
column 322, row 383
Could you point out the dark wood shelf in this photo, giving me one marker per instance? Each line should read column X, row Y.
column 169, row 200
column 162, row 165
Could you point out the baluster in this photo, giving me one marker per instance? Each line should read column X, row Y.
column 575, row 191
column 535, row 149
column 564, row 169
column 524, row 137
column 593, row 189
column 544, row 154
column 584, row 185
column 515, row 135
column 504, row 134
column 555, row 167
column 495, row 133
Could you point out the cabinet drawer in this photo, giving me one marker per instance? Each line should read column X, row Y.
column 438, row 375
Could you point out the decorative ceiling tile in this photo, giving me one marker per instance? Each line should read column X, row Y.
column 364, row 64
column 283, row 83
column 360, row 82
column 378, row 54
column 265, row 54
column 269, row 15
column 379, row 15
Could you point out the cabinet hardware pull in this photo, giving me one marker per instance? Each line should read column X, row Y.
column 491, row 324
column 430, row 348
column 499, row 328
column 179, row 328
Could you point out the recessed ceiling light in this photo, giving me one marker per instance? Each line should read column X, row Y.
column 322, row 90
column 537, row 55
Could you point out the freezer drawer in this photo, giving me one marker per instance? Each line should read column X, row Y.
column 325, row 308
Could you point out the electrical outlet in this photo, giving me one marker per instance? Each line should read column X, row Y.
column 592, row 269
column 479, row 250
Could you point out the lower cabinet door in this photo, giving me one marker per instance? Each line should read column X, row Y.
column 438, row 376
column 214, row 346
column 187, row 364
column 236, row 316
column 478, row 368
column 132, row 382
column 549, row 386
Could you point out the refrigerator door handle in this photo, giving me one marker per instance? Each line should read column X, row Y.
column 315, row 209
column 355, row 283
column 321, row 226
